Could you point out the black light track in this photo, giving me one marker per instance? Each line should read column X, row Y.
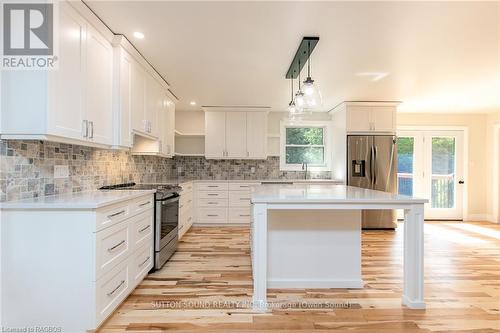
column 301, row 56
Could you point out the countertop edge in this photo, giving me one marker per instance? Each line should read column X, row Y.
column 26, row 205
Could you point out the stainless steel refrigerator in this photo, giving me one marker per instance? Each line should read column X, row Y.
column 372, row 164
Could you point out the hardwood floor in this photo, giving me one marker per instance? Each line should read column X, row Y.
column 200, row 288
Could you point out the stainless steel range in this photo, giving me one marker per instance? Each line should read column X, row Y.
column 166, row 217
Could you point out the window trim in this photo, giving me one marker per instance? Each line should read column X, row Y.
column 327, row 140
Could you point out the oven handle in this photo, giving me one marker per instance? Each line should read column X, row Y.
column 169, row 200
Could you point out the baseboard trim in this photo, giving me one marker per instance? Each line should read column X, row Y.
column 476, row 217
column 303, row 283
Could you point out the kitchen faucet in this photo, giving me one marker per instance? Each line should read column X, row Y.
column 304, row 167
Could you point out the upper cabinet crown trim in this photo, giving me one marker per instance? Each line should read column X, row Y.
column 364, row 103
column 236, row 108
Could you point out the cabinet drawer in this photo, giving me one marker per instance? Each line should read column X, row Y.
column 215, row 202
column 239, row 199
column 212, row 186
column 212, row 213
column 239, row 215
column 240, row 186
column 142, row 262
column 142, row 229
column 112, row 245
column 113, row 214
column 212, row 194
column 142, row 204
column 111, row 290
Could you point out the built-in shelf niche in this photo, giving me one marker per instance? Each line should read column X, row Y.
column 190, row 133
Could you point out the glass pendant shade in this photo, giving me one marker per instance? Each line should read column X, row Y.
column 291, row 108
column 312, row 95
column 299, row 100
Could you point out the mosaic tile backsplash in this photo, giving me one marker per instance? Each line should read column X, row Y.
column 27, row 169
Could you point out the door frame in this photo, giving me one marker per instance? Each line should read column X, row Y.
column 496, row 173
column 465, row 152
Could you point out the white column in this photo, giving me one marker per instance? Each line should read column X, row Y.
column 413, row 284
column 259, row 251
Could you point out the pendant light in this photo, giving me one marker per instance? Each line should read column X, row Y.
column 291, row 106
column 299, row 97
column 311, row 94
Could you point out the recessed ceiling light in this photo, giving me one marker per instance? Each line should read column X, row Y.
column 192, row 103
column 138, row 35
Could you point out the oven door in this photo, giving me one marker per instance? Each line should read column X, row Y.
column 167, row 220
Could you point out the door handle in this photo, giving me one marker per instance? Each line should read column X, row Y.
column 375, row 149
column 91, row 129
column 461, row 182
column 85, row 128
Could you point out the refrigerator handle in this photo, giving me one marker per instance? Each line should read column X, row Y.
column 371, row 165
column 375, row 149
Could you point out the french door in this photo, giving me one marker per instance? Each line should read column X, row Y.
column 431, row 165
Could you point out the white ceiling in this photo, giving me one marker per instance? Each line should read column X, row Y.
column 438, row 56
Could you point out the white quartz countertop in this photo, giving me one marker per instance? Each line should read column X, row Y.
column 81, row 200
column 325, row 193
column 312, row 181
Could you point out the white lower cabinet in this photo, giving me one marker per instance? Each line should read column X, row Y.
column 222, row 202
column 185, row 208
column 87, row 261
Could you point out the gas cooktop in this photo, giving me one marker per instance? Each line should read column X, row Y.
column 162, row 190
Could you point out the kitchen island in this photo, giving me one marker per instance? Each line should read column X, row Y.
column 309, row 236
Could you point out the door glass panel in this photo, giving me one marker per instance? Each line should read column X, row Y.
column 443, row 172
column 405, row 165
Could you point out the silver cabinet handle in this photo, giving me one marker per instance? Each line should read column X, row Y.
column 212, row 215
column 116, row 214
column 91, row 129
column 212, row 203
column 115, row 246
column 144, row 204
column 244, row 198
column 145, row 261
column 212, row 194
column 117, row 287
column 85, row 128
column 145, row 228
column 248, row 154
column 244, row 186
column 244, row 215
column 213, row 186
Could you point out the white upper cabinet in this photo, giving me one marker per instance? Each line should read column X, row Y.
column 137, row 97
column 99, row 91
column 368, row 117
column 169, row 135
column 256, row 135
column 215, row 134
column 235, row 135
column 122, row 128
column 144, row 111
column 65, row 115
column 154, row 105
column 72, row 104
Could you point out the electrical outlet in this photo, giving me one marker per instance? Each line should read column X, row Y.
column 61, row 171
column 252, row 169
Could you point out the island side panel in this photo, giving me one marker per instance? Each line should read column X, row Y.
column 259, row 255
column 314, row 249
column 413, row 284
